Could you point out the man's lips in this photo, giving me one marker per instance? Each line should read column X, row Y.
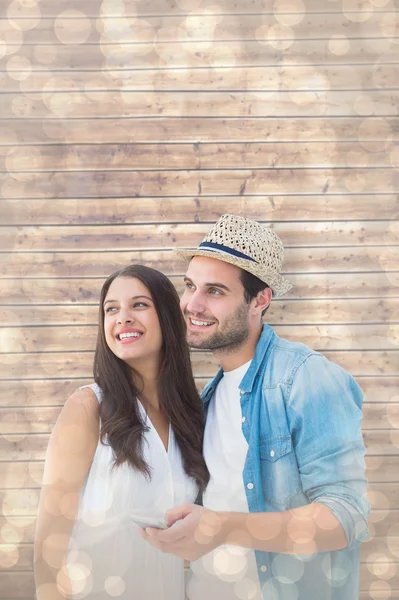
column 199, row 324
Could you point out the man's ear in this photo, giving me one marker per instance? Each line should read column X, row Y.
column 262, row 300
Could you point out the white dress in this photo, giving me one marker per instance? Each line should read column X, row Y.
column 107, row 557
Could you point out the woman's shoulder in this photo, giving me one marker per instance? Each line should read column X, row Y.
column 91, row 390
column 85, row 400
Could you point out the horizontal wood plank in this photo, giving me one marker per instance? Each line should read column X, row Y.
column 266, row 78
column 128, row 157
column 102, row 210
column 375, row 134
column 205, row 27
column 138, row 237
column 82, row 338
column 132, row 8
column 21, row 584
column 20, row 556
column 52, row 392
column 22, row 530
column 24, row 502
column 66, row 365
column 20, row 474
column 89, row 184
column 126, row 104
column 249, row 53
column 312, row 286
column 353, row 259
column 281, row 311
column 25, row 434
column 381, row 442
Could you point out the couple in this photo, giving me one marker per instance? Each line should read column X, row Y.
column 273, row 455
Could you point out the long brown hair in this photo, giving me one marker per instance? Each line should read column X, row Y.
column 179, row 400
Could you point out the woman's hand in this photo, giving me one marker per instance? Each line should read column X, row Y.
column 192, row 532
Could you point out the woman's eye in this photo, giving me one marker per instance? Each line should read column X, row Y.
column 139, row 304
column 107, row 310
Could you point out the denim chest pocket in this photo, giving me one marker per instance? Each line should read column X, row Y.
column 279, row 470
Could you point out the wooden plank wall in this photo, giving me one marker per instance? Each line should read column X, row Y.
column 127, row 128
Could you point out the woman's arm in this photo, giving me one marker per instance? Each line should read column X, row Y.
column 69, row 456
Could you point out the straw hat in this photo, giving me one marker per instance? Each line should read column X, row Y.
column 248, row 245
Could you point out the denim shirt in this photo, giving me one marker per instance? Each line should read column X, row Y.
column 302, row 422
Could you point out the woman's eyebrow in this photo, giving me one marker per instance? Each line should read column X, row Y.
column 133, row 298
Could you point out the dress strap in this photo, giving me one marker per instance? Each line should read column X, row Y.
column 96, row 389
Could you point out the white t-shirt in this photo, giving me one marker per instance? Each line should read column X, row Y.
column 229, row 572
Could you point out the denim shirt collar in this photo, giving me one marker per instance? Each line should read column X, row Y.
column 248, row 380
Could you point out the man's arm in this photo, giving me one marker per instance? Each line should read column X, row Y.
column 324, row 411
column 198, row 530
column 324, row 414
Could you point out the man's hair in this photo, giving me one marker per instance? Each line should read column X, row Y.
column 252, row 286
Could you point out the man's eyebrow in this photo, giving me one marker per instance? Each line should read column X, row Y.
column 133, row 298
column 214, row 284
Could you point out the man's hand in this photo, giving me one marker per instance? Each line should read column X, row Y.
column 198, row 532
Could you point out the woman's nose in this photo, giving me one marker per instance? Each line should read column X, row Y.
column 125, row 317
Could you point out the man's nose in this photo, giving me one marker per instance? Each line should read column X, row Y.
column 195, row 303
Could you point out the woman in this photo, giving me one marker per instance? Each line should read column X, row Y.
column 130, row 444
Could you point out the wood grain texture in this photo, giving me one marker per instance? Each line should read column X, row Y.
column 312, row 286
column 208, row 182
column 21, row 585
column 132, row 237
column 378, row 545
column 150, row 157
column 22, row 502
column 354, row 259
column 124, row 104
column 248, row 53
column 281, row 311
column 21, row 474
column 375, row 134
column 91, row 8
column 66, row 365
column 23, row 528
column 197, row 209
column 209, row 27
column 274, row 78
column 53, row 392
column 125, row 135
column 82, row 338
column 25, row 435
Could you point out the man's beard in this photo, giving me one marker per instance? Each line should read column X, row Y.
column 234, row 334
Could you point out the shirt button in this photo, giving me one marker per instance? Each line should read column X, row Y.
column 263, row 568
column 250, row 486
column 272, row 453
column 243, row 419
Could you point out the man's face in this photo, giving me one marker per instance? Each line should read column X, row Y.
column 214, row 307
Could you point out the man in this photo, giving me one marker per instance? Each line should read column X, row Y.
column 285, row 510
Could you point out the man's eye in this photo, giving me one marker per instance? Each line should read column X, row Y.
column 214, row 291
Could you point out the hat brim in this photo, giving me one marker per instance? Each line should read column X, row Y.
column 279, row 284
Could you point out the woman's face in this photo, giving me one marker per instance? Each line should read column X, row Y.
column 131, row 324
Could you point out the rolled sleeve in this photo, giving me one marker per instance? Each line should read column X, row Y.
column 325, row 417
